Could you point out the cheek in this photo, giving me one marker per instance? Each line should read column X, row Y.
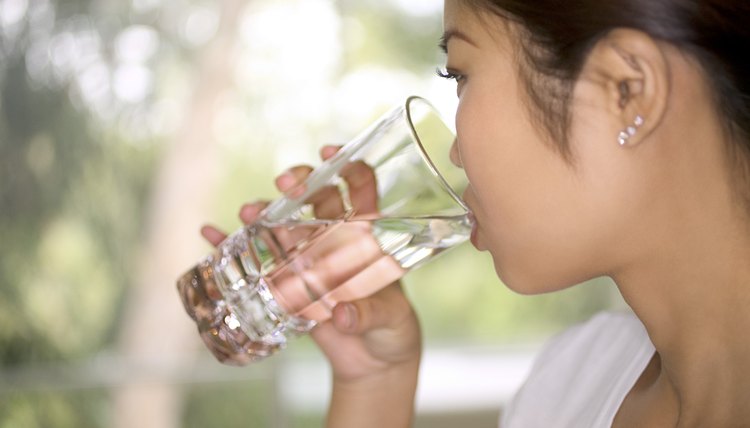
column 481, row 126
column 522, row 193
column 499, row 151
column 482, row 160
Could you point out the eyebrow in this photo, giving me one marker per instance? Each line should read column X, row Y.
column 450, row 34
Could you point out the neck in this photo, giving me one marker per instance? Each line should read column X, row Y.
column 686, row 267
column 692, row 293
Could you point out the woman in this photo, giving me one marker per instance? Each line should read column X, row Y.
column 599, row 138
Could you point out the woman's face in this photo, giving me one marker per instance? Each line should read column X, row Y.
column 548, row 223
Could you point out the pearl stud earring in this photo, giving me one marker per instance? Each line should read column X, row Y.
column 630, row 131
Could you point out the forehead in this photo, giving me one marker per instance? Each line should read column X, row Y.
column 455, row 13
column 487, row 30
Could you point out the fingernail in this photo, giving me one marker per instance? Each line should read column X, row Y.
column 285, row 181
column 328, row 151
column 249, row 211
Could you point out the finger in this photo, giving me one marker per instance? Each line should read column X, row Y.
column 386, row 308
column 328, row 151
column 291, row 182
column 362, row 184
column 213, row 235
column 327, row 202
column 249, row 212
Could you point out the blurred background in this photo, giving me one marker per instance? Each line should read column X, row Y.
column 127, row 124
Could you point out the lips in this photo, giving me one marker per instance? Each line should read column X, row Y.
column 473, row 221
column 472, row 218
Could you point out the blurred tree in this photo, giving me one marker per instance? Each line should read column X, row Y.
column 70, row 198
column 54, row 160
column 155, row 328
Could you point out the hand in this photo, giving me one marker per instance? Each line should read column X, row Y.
column 365, row 337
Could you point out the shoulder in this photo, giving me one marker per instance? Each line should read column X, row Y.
column 583, row 373
column 600, row 334
column 587, row 353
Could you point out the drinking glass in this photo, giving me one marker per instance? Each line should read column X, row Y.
column 385, row 203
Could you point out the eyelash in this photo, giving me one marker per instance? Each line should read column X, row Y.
column 448, row 74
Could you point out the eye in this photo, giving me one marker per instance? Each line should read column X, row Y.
column 447, row 73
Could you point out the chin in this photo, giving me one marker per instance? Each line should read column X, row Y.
column 512, row 280
column 527, row 283
column 522, row 287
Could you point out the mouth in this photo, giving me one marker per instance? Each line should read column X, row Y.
column 473, row 236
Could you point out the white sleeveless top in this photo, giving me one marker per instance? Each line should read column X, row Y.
column 582, row 376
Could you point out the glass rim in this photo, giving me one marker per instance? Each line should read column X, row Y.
column 422, row 150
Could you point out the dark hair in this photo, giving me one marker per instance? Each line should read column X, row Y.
column 560, row 34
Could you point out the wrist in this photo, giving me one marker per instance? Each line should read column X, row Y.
column 381, row 399
column 361, row 371
column 392, row 374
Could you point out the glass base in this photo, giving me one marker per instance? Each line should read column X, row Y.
column 262, row 330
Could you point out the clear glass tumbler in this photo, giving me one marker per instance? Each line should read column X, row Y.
column 386, row 203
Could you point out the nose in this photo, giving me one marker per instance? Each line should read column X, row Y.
column 454, row 154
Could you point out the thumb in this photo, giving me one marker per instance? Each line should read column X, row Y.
column 386, row 308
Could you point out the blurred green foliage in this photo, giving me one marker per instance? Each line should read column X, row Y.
column 83, row 409
column 71, row 200
column 221, row 403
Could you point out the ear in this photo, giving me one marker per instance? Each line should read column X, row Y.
column 632, row 73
